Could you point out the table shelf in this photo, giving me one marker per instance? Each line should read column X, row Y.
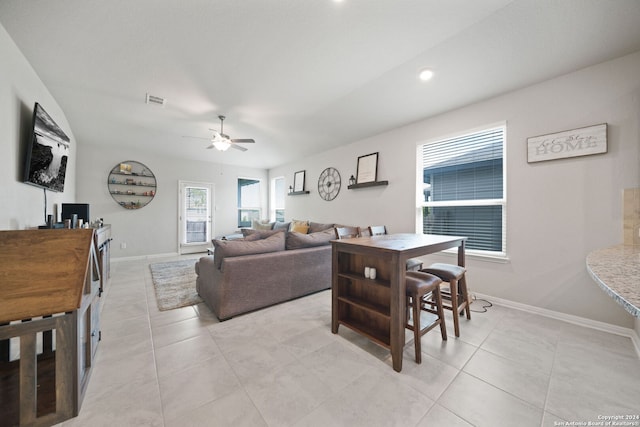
column 373, row 282
column 376, row 309
column 363, row 329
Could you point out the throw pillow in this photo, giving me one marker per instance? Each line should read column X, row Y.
column 314, row 227
column 297, row 240
column 262, row 225
column 299, row 226
column 232, row 248
column 284, row 226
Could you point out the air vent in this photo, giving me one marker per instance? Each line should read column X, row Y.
column 152, row 99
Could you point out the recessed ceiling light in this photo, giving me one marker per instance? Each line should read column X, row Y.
column 425, row 74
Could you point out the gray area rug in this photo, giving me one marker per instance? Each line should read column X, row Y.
column 175, row 284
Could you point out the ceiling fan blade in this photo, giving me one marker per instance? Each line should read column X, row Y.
column 238, row 147
column 244, row 141
column 210, row 146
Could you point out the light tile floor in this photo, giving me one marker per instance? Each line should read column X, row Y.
column 282, row 366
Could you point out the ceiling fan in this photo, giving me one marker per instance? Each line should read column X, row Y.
column 222, row 142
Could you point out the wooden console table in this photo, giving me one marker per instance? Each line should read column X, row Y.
column 375, row 308
column 50, row 301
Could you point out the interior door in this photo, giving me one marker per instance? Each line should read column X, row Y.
column 195, row 217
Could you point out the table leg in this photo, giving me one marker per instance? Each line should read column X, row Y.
column 398, row 301
column 334, row 290
column 461, row 254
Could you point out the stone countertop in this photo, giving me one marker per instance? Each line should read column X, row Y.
column 617, row 271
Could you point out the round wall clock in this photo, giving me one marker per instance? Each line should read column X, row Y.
column 329, row 184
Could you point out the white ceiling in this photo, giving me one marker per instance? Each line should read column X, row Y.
column 298, row 76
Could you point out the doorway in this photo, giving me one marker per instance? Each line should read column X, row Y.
column 195, row 217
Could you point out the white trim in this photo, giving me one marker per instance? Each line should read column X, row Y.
column 452, row 254
column 143, row 257
column 477, row 202
column 569, row 318
column 498, row 256
column 183, row 247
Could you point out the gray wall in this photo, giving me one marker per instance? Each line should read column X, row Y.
column 22, row 206
column 558, row 211
column 153, row 229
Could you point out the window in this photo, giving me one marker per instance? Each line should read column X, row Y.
column 197, row 214
column 463, row 189
column 248, row 201
column 278, row 194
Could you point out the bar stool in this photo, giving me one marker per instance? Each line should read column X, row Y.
column 457, row 294
column 419, row 285
column 347, row 232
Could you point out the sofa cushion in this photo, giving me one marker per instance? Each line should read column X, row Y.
column 314, row 227
column 251, row 234
column 232, row 248
column 299, row 226
column 297, row 240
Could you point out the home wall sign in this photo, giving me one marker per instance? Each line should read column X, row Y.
column 571, row 143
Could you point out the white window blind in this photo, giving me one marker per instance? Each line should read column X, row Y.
column 248, row 201
column 463, row 189
column 278, row 193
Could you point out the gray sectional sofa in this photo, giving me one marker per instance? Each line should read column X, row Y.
column 265, row 268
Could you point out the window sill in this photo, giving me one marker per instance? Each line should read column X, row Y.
column 470, row 254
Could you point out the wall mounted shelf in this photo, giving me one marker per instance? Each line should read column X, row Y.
column 367, row 184
column 298, row 193
column 123, row 180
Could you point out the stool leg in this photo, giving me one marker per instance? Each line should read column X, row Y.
column 416, row 328
column 407, row 306
column 453, row 288
column 437, row 296
column 465, row 295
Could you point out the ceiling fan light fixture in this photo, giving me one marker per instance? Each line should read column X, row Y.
column 222, row 145
column 425, row 74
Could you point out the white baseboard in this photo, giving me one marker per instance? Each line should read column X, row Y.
column 143, row 257
column 569, row 318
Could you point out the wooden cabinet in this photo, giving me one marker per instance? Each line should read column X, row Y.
column 103, row 240
column 50, row 294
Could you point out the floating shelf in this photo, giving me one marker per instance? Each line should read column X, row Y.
column 298, row 193
column 368, row 184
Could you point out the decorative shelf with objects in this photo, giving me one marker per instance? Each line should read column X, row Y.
column 298, row 184
column 367, row 184
column 127, row 175
column 367, row 175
